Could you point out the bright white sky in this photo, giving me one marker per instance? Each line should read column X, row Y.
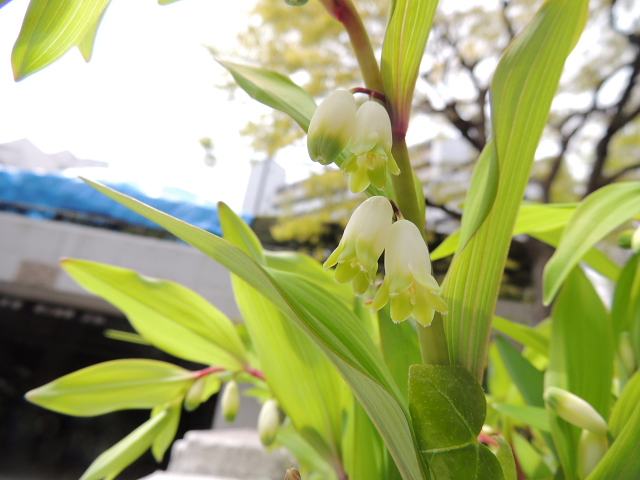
column 145, row 99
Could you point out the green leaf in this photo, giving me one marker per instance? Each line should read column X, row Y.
column 363, row 449
column 622, row 461
column 239, row 233
column 87, row 42
column 596, row 216
column 534, row 416
column 126, row 451
column 580, row 359
column 530, row 460
column 528, row 379
column 628, row 403
column 626, row 300
column 402, row 52
column 506, row 459
column 448, row 409
column 328, row 322
column 167, row 433
column 532, row 218
column 274, row 90
column 594, row 257
column 482, row 193
column 50, row 29
column 522, row 89
column 170, row 316
column 114, row 385
column 308, row 458
column 400, row 348
column 310, row 268
column 527, row 336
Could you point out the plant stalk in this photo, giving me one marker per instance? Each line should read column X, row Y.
column 345, row 12
column 433, row 342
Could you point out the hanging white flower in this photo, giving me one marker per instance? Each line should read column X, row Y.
column 331, row 127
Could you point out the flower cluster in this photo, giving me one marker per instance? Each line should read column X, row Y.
column 408, row 283
column 366, row 133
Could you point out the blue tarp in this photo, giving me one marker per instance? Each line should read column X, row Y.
column 61, row 193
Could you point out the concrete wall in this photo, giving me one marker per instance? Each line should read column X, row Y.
column 30, row 250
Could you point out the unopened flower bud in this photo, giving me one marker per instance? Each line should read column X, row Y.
column 230, row 401
column 268, row 422
column 331, row 127
column 591, row 449
column 362, row 244
column 627, row 355
column 193, row 398
column 292, row 474
column 408, row 282
column 371, row 149
column 575, row 410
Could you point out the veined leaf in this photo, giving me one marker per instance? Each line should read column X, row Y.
column 530, row 460
column 114, row 385
column 448, row 409
column 506, row 459
column 626, row 301
column 363, row 448
column 628, row 402
column 170, row 316
column 86, row 43
column 50, row 29
column 522, row 89
column 328, row 323
column 167, row 433
column 580, row 328
column 402, row 52
column 126, row 451
column 274, row 90
column 527, row 378
column 596, row 216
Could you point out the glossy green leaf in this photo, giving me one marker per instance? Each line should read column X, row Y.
column 533, row 416
column 506, row 459
column 327, row 321
column 239, row 233
column 402, row 52
column 448, row 409
column 528, row 379
column 628, row 403
column 50, row 29
column 126, row 451
column 580, row 359
column 522, row 89
column 400, row 348
column 274, row 90
column 164, row 437
column 170, row 316
column 531, row 218
column 596, row 216
column 114, row 385
column 527, row 336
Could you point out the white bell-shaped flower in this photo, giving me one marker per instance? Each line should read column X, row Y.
column 362, row 244
column 331, row 127
column 408, row 282
column 370, row 148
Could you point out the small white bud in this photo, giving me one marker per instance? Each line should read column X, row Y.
column 230, row 401
column 591, row 449
column 331, row 127
column 575, row 410
column 268, row 422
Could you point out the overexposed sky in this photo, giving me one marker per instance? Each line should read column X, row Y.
column 145, row 99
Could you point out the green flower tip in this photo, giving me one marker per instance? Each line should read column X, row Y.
column 575, row 410
column 408, row 284
column 331, row 127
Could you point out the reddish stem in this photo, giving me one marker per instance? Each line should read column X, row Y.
column 255, row 372
column 208, row 371
column 373, row 94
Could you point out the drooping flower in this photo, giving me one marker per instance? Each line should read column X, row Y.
column 362, row 244
column 230, row 401
column 575, row 410
column 370, row 148
column 331, row 127
column 408, row 282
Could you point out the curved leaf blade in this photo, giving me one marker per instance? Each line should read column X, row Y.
column 596, row 216
column 111, row 386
